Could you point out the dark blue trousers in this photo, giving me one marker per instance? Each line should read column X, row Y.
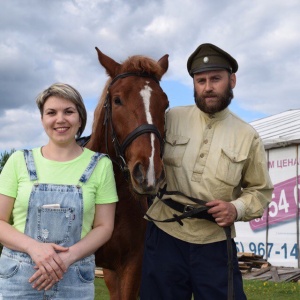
column 176, row 270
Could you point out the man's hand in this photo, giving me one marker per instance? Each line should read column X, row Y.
column 224, row 212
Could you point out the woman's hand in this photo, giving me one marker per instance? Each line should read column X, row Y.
column 42, row 282
column 50, row 267
column 100, row 234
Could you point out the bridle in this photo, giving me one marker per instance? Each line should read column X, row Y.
column 144, row 128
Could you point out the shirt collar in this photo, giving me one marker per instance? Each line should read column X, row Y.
column 221, row 115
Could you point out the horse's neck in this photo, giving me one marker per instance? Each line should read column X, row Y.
column 97, row 141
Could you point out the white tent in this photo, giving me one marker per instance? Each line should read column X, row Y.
column 279, row 130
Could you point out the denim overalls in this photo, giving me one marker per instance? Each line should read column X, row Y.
column 50, row 225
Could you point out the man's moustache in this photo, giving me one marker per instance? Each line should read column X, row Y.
column 209, row 95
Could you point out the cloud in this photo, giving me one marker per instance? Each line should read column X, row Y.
column 42, row 42
column 25, row 126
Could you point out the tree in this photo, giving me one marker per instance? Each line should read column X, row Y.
column 4, row 157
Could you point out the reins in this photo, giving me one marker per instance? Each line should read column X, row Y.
column 200, row 212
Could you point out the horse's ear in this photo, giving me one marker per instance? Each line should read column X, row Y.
column 111, row 66
column 164, row 63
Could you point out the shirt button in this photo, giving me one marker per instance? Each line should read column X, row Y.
column 209, row 126
column 201, row 155
column 205, row 141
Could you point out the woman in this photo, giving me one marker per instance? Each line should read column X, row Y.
column 62, row 199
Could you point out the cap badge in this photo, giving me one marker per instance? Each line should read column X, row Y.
column 205, row 59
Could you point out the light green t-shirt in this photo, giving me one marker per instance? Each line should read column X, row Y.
column 99, row 189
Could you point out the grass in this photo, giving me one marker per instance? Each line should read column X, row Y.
column 254, row 289
column 268, row 290
column 101, row 292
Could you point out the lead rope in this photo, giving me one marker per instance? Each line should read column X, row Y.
column 177, row 218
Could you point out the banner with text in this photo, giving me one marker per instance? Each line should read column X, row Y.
column 274, row 235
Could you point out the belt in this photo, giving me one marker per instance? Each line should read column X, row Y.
column 196, row 212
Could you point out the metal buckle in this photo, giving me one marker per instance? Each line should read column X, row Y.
column 188, row 208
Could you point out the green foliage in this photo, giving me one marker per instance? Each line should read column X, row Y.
column 4, row 157
column 254, row 289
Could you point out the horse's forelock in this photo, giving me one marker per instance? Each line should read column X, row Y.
column 142, row 64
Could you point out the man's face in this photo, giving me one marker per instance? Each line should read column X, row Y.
column 213, row 90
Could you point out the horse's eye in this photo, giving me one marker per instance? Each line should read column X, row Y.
column 117, row 101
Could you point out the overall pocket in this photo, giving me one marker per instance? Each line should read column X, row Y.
column 86, row 272
column 8, row 267
column 175, row 147
column 54, row 224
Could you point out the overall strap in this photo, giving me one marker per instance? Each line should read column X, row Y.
column 30, row 164
column 90, row 168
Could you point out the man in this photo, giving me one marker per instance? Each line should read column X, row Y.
column 214, row 158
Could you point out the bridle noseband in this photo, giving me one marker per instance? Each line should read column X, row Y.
column 144, row 128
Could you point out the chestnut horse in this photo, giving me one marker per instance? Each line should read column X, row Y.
column 129, row 126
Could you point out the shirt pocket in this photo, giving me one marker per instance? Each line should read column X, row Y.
column 230, row 166
column 54, row 224
column 175, row 148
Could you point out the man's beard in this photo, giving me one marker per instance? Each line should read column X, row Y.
column 223, row 101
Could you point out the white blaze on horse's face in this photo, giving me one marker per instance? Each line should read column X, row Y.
column 146, row 95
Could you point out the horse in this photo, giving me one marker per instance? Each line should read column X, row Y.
column 128, row 125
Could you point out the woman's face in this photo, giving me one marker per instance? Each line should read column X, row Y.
column 61, row 120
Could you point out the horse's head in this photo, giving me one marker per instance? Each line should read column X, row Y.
column 135, row 107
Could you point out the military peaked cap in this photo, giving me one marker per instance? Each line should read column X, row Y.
column 208, row 57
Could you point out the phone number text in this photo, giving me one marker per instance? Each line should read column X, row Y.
column 268, row 250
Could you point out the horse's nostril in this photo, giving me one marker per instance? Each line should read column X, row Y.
column 138, row 173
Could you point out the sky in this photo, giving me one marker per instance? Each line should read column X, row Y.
column 43, row 42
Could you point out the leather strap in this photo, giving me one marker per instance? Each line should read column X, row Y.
column 199, row 212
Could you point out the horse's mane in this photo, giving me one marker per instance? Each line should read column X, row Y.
column 135, row 63
column 99, row 114
column 142, row 64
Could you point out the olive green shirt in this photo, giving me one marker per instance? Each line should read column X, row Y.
column 212, row 157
